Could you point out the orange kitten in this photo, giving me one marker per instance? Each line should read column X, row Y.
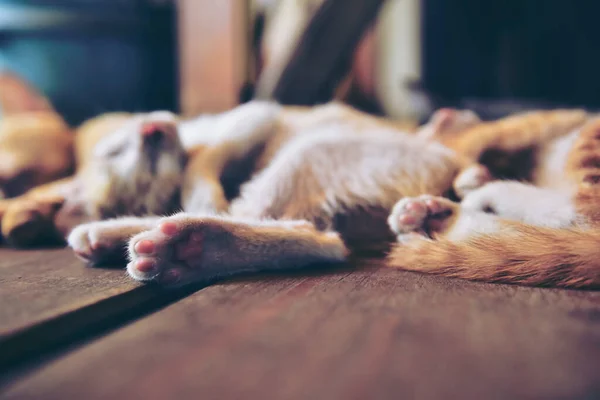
column 539, row 233
column 324, row 178
column 35, row 142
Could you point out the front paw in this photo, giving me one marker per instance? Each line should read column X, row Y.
column 99, row 243
column 422, row 216
column 29, row 223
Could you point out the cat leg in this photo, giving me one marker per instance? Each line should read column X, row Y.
column 186, row 248
column 28, row 220
column 238, row 133
column 523, row 202
column 483, row 247
column 517, row 132
column 105, row 242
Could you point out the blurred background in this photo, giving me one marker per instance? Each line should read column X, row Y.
column 410, row 56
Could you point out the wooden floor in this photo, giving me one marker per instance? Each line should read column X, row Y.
column 70, row 332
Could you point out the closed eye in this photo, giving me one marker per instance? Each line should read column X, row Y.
column 489, row 209
column 113, row 152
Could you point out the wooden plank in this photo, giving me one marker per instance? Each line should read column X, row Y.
column 48, row 298
column 371, row 333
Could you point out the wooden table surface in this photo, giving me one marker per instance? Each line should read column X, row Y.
column 360, row 332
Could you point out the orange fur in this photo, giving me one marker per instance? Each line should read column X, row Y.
column 528, row 255
column 35, row 142
column 29, row 219
column 519, row 253
column 36, row 147
column 513, row 133
column 583, row 167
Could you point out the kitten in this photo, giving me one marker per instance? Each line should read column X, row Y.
column 120, row 156
column 36, row 147
column 539, row 233
column 29, row 219
column 325, row 180
column 35, row 142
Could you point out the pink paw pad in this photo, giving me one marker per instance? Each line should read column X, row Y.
column 145, row 247
column 415, row 206
column 168, row 228
column 171, row 277
column 434, row 206
column 190, row 248
column 145, row 265
column 407, row 219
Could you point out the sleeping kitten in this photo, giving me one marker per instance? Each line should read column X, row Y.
column 29, row 219
column 325, row 179
column 35, row 142
column 539, row 233
column 36, row 147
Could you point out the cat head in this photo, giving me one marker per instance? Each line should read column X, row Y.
column 136, row 169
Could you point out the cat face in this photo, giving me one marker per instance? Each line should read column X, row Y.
column 137, row 169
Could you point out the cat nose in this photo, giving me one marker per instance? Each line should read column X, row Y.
column 153, row 134
column 152, row 129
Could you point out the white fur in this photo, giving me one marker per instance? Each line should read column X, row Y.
column 254, row 119
column 524, row 203
column 552, row 160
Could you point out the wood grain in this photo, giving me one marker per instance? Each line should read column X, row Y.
column 370, row 333
column 48, row 298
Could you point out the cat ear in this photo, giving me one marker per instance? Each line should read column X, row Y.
column 18, row 96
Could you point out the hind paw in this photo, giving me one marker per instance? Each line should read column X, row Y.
column 423, row 216
column 174, row 252
column 185, row 248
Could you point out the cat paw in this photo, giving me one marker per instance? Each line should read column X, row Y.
column 29, row 224
column 99, row 243
column 471, row 179
column 185, row 248
column 422, row 216
column 173, row 252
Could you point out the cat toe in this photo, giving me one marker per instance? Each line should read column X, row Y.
column 420, row 215
column 408, row 215
column 144, row 268
column 168, row 250
column 79, row 241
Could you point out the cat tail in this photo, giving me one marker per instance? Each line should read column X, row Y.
column 526, row 255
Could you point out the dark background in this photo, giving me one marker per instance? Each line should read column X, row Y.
column 526, row 52
column 497, row 56
column 93, row 56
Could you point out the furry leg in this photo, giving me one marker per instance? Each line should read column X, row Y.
column 187, row 248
